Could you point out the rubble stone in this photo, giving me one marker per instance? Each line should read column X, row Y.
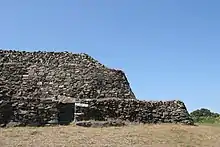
column 37, row 88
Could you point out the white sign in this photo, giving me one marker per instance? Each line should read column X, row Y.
column 81, row 105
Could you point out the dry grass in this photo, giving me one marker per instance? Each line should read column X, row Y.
column 165, row 135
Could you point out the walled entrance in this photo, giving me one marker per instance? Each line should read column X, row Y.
column 66, row 113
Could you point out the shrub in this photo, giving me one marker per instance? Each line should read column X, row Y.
column 203, row 113
column 205, row 116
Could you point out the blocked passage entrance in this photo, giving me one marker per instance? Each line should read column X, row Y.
column 66, row 113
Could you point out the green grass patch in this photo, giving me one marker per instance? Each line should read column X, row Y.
column 207, row 120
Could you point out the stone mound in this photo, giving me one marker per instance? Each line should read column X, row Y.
column 41, row 88
column 51, row 75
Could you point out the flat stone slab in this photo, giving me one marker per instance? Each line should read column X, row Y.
column 100, row 123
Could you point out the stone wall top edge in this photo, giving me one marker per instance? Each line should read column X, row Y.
column 38, row 51
column 138, row 100
column 11, row 51
column 73, row 100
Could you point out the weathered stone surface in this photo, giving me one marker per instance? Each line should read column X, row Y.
column 32, row 84
column 84, row 123
column 136, row 111
column 51, row 74
column 100, row 124
column 33, row 112
column 38, row 88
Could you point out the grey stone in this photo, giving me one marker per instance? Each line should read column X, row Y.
column 13, row 124
column 34, row 85
column 84, row 123
column 97, row 124
column 54, row 121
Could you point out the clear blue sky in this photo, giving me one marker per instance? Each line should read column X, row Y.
column 169, row 49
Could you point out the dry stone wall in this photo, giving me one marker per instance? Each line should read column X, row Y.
column 32, row 84
column 24, row 112
column 37, row 88
column 136, row 111
column 51, row 74
column 34, row 112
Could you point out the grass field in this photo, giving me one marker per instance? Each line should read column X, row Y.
column 163, row 135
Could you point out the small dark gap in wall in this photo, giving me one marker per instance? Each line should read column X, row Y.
column 66, row 113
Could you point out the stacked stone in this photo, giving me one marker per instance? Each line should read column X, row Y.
column 34, row 112
column 33, row 83
column 29, row 79
column 50, row 74
column 24, row 112
column 138, row 111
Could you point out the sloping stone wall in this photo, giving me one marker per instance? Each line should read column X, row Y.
column 32, row 84
column 51, row 74
column 136, row 111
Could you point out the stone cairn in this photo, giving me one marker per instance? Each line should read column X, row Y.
column 35, row 88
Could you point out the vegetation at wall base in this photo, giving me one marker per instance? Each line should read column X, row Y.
column 207, row 120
